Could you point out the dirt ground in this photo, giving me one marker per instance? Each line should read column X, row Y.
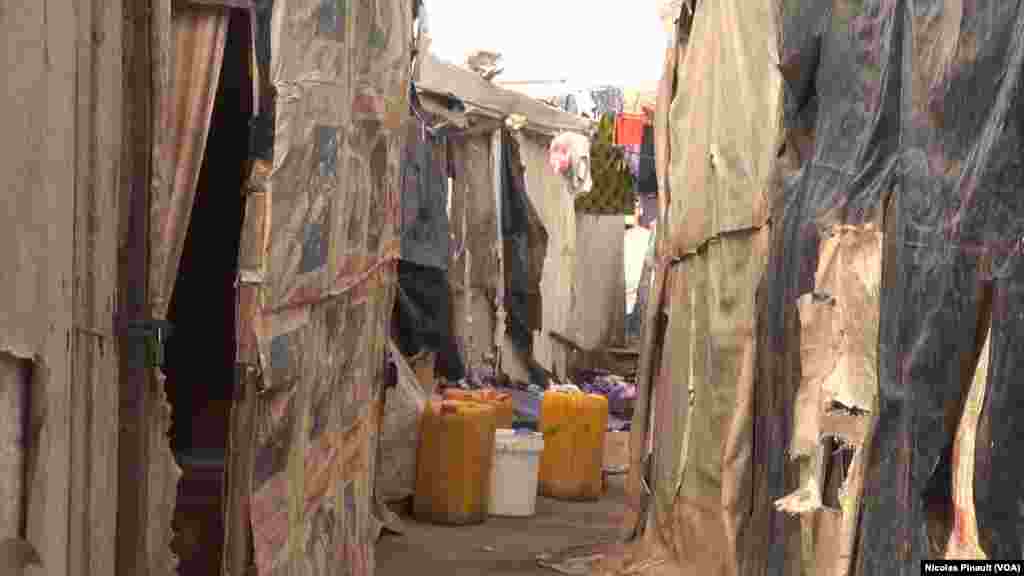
column 503, row 546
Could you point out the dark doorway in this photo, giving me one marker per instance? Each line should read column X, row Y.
column 200, row 365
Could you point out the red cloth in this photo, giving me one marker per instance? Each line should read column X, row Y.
column 629, row 129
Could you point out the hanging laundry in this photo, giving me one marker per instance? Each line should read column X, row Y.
column 579, row 102
column 567, row 103
column 608, row 100
column 632, row 152
column 585, row 103
column 647, row 180
column 524, row 240
column 629, row 129
column 424, row 227
column 648, row 210
column 569, row 155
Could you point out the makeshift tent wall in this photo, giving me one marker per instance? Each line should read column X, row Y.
column 62, row 109
column 842, row 231
column 478, row 271
column 474, row 270
column 548, row 193
column 323, row 222
column 476, row 254
column 525, row 245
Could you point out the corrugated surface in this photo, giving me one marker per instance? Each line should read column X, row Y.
column 341, row 72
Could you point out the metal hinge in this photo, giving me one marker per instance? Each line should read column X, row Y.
column 148, row 341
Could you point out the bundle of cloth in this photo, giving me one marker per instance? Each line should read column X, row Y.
column 621, row 394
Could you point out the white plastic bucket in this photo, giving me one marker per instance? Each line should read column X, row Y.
column 515, row 472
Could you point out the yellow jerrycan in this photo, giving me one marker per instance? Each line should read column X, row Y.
column 454, row 461
column 574, row 425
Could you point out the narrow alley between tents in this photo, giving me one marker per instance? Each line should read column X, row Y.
column 390, row 287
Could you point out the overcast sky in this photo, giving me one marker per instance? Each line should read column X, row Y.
column 590, row 42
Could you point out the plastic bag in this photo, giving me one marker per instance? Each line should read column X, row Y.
column 399, row 433
column 569, row 155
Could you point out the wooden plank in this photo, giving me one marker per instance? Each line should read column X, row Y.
column 101, row 524
column 133, row 238
column 238, row 551
column 83, row 278
column 49, row 473
column 500, row 312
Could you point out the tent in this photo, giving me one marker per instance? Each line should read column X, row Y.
column 512, row 221
column 831, row 338
column 200, row 269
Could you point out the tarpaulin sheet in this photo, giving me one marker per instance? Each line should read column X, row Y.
column 399, row 433
column 341, row 76
column 726, row 120
column 548, row 193
column 889, row 93
column 704, row 415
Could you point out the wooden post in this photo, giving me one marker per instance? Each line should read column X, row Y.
column 497, row 165
column 133, row 289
